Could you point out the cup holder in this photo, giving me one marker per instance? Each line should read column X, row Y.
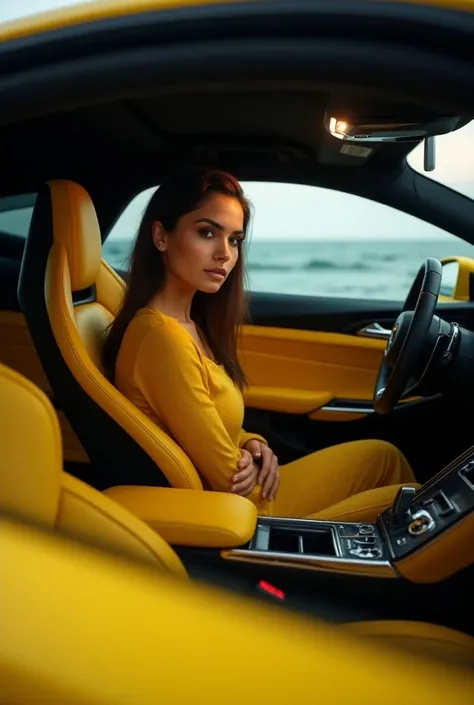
column 316, row 542
column 284, row 541
column 319, row 543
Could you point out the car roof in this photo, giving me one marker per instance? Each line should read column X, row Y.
column 116, row 147
column 55, row 14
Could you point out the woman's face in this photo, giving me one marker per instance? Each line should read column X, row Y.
column 204, row 247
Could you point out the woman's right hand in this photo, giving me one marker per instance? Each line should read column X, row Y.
column 245, row 479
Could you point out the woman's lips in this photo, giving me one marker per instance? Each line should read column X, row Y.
column 216, row 273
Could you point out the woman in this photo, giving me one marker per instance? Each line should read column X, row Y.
column 172, row 351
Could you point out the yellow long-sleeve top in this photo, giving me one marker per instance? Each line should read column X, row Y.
column 161, row 370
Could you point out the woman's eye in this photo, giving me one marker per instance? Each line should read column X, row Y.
column 235, row 241
column 205, row 232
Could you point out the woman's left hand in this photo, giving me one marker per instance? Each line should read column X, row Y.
column 269, row 475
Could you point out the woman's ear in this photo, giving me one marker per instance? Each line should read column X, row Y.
column 159, row 236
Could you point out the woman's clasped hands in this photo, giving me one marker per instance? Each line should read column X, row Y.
column 258, row 465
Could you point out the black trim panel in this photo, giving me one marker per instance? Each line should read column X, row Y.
column 276, row 44
column 338, row 315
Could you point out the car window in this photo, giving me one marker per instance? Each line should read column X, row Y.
column 16, row 213
column 454, row 165
column 316, row 241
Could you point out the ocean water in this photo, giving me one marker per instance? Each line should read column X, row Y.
column 373, row 269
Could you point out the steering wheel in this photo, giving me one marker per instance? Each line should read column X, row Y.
column 409, row 331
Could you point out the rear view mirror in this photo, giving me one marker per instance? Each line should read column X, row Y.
column 457, row 279
column 359, row 128
column 358, row 120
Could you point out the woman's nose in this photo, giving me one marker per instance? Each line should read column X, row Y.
column 222, row 252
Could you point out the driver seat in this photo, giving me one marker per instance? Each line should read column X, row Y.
column 69, row 295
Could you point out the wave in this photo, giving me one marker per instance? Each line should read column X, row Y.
column 313, row 264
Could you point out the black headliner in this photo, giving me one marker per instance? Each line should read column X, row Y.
column 258, row 127
column 123, row 139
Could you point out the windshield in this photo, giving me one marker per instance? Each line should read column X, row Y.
column 454, row 160
column 25, row 8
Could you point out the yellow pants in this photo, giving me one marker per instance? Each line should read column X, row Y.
column 348, row 482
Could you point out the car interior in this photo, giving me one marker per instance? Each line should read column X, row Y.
column 86, row 129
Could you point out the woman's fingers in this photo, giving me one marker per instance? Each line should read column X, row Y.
column 243, row 474
column 253, row 447
column 245, row 486
column 245, row 479
column 276, row 484
column 245, row 459
column 267, row 456
column 268, row 486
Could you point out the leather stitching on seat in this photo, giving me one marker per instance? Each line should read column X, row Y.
column 119, row 524
column 113, row 273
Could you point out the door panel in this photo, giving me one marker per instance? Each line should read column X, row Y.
column 309, row 351
column 332, row 365
column 17, row 350
column 308, row 368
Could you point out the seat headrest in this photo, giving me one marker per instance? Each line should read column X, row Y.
column 30, row 450
column 75, row 225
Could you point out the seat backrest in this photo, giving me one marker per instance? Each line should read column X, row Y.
column 33, row 485
column 69, row 295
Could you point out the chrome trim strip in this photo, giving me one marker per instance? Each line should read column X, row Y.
column 462, row 474
column 451, row 467
column 347, row 409
column 308, row 523
column 324, row 563
column 374, row 330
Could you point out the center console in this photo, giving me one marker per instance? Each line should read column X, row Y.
column 425, row 536
column 416, row 519
column 321, row 545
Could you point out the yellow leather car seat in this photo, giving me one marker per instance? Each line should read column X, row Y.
column 69, row 295
column 104, row 631
column 33, row 485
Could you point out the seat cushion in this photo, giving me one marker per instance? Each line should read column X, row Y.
column 430, row 640
column 85, row 512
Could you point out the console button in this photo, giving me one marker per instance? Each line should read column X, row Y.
column 365, row 540
column 366, row 552
column 366, row 529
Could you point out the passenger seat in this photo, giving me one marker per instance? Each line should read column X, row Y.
column 34, row 487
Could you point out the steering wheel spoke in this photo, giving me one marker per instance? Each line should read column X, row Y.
column 406, row 345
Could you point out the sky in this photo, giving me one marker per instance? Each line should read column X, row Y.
column 14, row 9
column 310, row 213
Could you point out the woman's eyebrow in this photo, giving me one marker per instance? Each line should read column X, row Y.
column 217, row 225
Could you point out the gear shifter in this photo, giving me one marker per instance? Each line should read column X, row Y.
column 400, row 511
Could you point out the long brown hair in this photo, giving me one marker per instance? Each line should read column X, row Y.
column 220, row 315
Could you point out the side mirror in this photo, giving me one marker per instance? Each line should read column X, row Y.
column 457, row 279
